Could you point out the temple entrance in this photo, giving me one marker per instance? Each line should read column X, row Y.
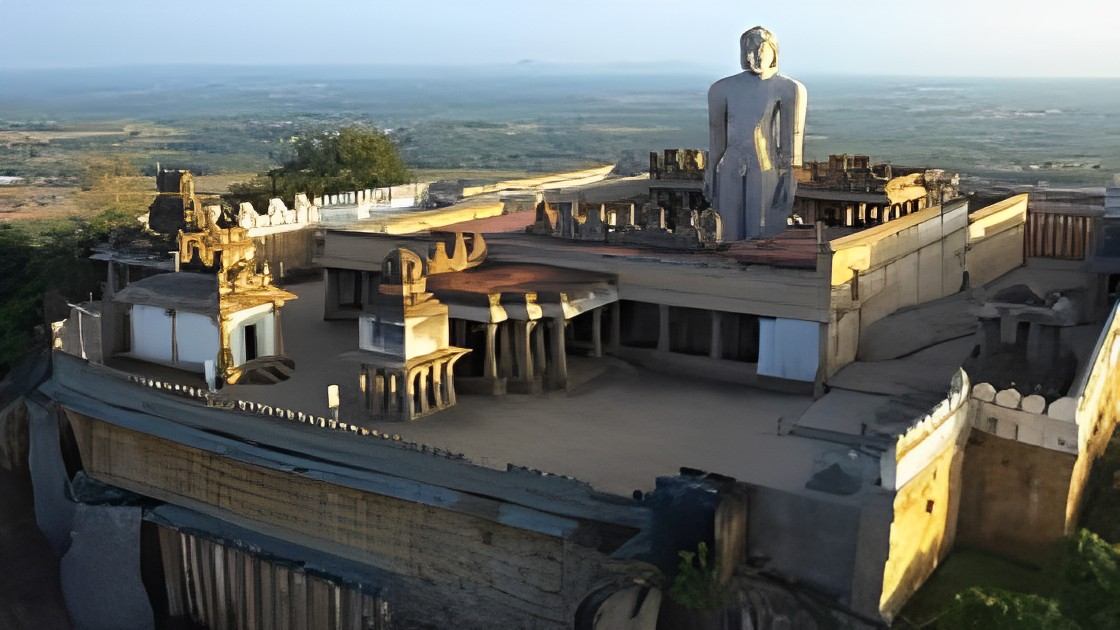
column 250, row 342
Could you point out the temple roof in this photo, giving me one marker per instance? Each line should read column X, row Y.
column 197, row 292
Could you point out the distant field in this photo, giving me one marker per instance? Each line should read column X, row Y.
column 49, row 203
column 433, row 174
column 44, row 137
column 21, row 203
column 216, row 184
column 509, row 122
column 219, row 184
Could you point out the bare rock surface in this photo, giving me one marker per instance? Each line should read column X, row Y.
column 101, row 571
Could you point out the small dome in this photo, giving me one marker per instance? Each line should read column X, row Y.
column 402, row 266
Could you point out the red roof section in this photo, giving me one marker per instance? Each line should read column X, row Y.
column 513, row 222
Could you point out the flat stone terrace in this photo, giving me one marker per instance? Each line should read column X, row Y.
column 618, row 427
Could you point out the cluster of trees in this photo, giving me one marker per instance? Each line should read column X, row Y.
column 41, row 260
column 52, row 258
column 328, row 162
column 1088, row 596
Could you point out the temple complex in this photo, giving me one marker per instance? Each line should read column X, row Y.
column 848, row 190
column 516, row 410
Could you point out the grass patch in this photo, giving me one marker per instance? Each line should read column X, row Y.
column 966, row 568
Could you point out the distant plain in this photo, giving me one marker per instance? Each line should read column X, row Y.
column 230, row 122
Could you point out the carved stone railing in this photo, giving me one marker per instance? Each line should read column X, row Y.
column 214, row 399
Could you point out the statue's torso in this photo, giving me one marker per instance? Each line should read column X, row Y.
column 752, row 103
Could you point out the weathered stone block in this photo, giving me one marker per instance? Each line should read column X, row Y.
column 1033, row 404
column 984, row 391
column 1009, row 398
column 1063, row 409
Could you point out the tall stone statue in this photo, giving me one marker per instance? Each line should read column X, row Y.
column 757, row 124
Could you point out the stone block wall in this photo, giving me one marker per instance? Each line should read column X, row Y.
column 450, row 569
column 1013, row 501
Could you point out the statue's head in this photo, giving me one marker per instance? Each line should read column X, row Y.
column 759, row 52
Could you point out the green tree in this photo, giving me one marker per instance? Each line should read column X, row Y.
column 1091, row 581
column 41, row 257
column 997, row 609
column 349, row 159
column 696, row 585
column 1088, row 595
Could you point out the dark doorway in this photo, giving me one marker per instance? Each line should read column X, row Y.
column 250, row 342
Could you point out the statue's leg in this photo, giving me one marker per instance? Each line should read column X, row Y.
column 754, row 199
column 730, row 200
column 772, row 216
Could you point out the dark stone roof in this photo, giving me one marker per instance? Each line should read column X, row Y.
column 185, row 291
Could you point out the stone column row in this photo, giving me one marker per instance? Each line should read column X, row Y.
column 426, row 388
column 854, row 214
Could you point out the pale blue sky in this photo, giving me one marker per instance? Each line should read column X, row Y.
column 948, row 37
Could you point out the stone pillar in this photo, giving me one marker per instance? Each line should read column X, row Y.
column 363, row 277
column 490, row 364
column 423, row 384
column 523, row 350
column 558, row 375
column 330, row 292
column 437, row 384
column 1008, row 328
column 111, row 279
column 408, row 409
column 378, row 394
column 278, row 332
column 616, row 326
column 663, row 327
column 505, row 359
column 540, row 363
column 863, row 213
column 597, row 332
column 402, row 395
column 848, row 221
column 449, row 383
column 716, row 349
column 1042, row 343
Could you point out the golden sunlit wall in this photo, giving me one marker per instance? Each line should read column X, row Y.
column 1097, row 411
column 925, row 519
column 928, row 462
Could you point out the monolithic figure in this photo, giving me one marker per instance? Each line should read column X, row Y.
column 757, row 124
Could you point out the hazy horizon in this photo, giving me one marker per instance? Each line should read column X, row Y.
column 655, row 68
column 960, row 39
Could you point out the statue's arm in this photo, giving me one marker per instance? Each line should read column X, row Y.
column 717, row 124
column 796, row 126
